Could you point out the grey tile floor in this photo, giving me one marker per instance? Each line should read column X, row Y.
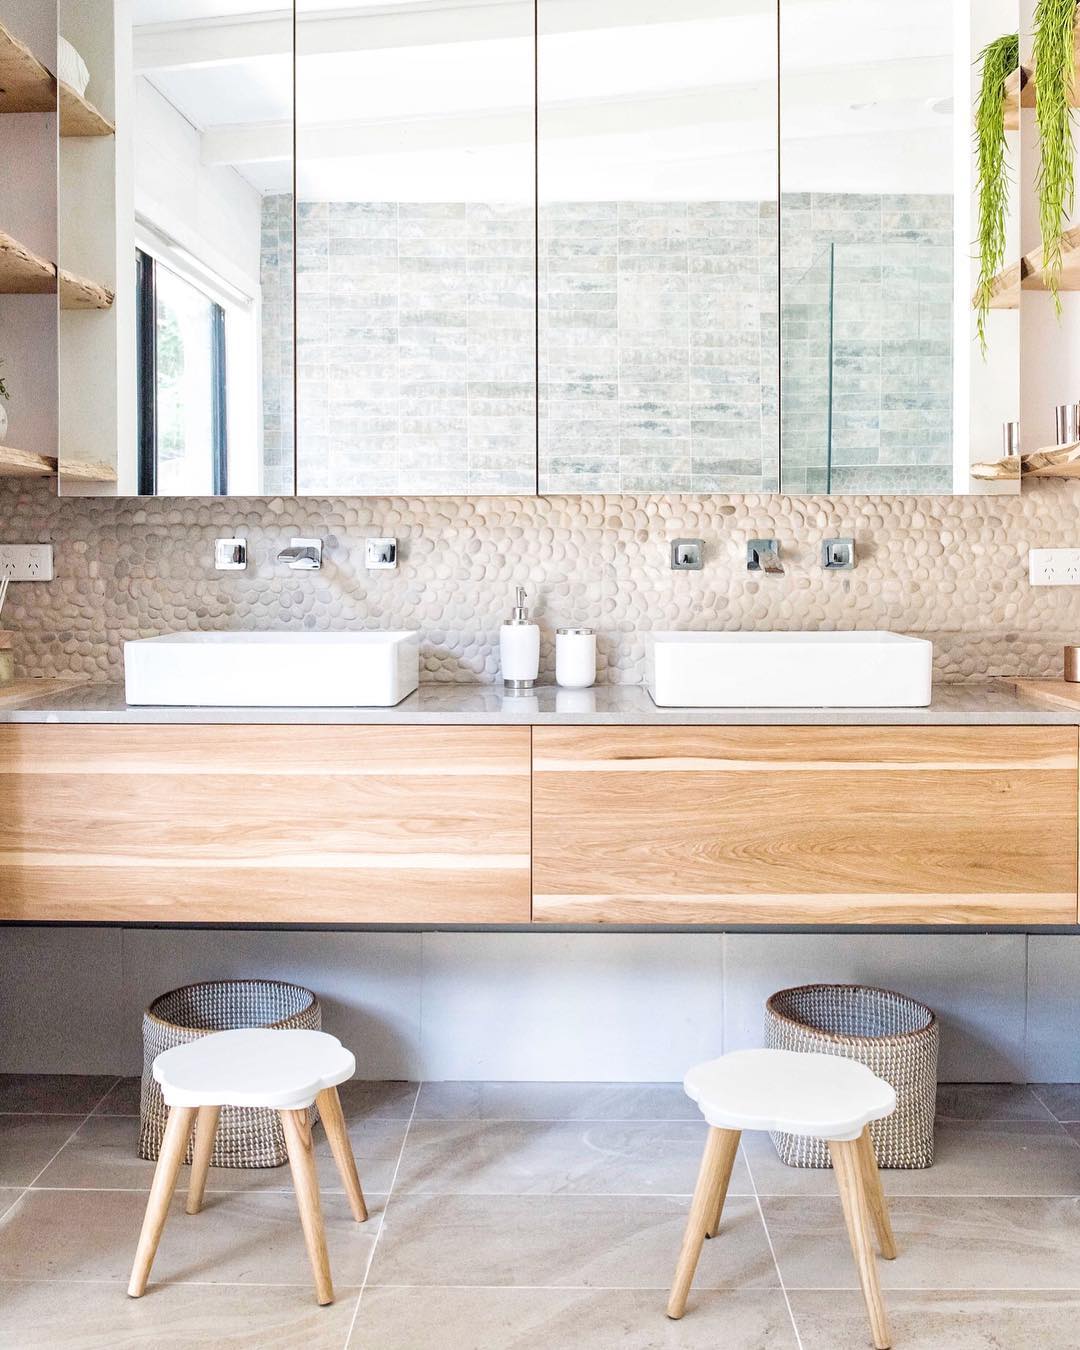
column 510, row 1216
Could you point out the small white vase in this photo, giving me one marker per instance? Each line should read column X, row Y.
column 3, row 422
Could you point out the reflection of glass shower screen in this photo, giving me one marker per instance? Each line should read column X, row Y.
column 867, row 369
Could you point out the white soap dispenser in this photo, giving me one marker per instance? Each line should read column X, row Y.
column 519, row 647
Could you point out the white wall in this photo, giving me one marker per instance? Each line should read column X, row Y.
column 546, row 1006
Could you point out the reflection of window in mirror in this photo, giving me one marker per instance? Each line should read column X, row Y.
column 199, row 178
column 184, row 395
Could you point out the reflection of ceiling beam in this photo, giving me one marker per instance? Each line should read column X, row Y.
column 804, row 105
column 208, row 42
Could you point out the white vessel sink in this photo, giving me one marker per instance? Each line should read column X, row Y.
column 789, row 670
column 273, row 670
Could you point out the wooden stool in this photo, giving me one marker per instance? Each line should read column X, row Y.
column 822, row 1096
column 283, row 1070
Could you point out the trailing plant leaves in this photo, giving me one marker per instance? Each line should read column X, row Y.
column 1054, row 74
column 998, row 60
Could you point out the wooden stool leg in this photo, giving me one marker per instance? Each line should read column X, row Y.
column 727, row 1164
column 333, row 1119
column 875, row 1196
column 845, row 1160
column 205, row 1130
column 716, row 1163
column 297, row 1128
column 173, row 1147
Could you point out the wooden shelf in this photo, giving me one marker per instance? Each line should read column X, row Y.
column 1020, row 87
column 23, row 272
column 1056, row 461
column 81, row 293
column 86, row 471
column 79, row 117
column 25, row 464
column 1029, row 275
column 27, row 86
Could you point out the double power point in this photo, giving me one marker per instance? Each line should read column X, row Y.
column 26, row 562
column 1054, row 566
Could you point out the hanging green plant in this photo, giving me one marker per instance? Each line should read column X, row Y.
column 997, row 60
column 1055, row 62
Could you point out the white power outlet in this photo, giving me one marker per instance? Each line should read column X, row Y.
column 1054, row 566
column 26, row 562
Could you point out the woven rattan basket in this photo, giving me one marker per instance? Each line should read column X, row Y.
column 891, row 1034
column 246, row 1136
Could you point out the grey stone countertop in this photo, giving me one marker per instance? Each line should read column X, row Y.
column 988, row 703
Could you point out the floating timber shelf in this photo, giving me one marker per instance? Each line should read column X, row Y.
column 86, row 471
column 1021, row 84
column 79, row 117
column 1030, row 275
column 1056, row 461
column 27, row 86
column 25, row 464
column 23, row 272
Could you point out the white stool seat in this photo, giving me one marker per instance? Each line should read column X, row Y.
column 823, row 1096
column 284, row 1070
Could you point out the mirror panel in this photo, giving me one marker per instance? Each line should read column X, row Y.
column 416, row 248
column 182, row 385
column 657, row 171
column 883, row 386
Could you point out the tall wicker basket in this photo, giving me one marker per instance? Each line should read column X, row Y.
column 246, row 1136
column 891, row 1034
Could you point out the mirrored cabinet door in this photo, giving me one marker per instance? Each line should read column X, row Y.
column 885, row 387
column 416, row 238
column 176, row 354
column 657, row 171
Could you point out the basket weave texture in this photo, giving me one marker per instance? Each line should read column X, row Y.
column 246, row 1136
column 893, row 1035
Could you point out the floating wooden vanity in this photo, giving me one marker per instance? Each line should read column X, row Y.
column 549, row 824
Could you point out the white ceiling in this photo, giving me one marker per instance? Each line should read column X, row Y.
column 415, row 99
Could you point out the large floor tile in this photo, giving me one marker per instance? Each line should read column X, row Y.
column 989, row 1101
column 28, row 1142
column 566, row 1241
column 103, row 1154
column 555, row 1101
column 51, row 1316
column 237, row 1239
column 1012, row 1320
column 54, row 1093
column 8, row 1196
column 586, row 1319
column 549, row 1157
column 1061, row 1099
column 377, row 1099
column 123, row 1099
column 1004, row 1157
column 1009, row 1243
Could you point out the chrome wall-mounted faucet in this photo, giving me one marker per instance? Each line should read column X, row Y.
column 302, row 555
column 763, row 555
column 838, row 555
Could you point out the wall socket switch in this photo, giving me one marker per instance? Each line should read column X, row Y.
column 1054, row 566
column 26, row 562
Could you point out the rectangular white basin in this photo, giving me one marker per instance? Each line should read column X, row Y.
column 789, row 670
column 273, row 670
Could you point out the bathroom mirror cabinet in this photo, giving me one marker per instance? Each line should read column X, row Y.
column 519, row 246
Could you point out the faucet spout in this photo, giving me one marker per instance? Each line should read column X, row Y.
column 302, row 555
column 763, row 555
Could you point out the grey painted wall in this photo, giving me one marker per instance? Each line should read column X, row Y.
column 612, row 1006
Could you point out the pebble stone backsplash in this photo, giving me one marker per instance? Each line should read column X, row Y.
column 953, row 569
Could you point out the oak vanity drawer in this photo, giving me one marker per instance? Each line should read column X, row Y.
column 793, row 825
column 264, row 824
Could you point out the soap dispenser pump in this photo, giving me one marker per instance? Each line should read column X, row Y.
column 519, row 647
